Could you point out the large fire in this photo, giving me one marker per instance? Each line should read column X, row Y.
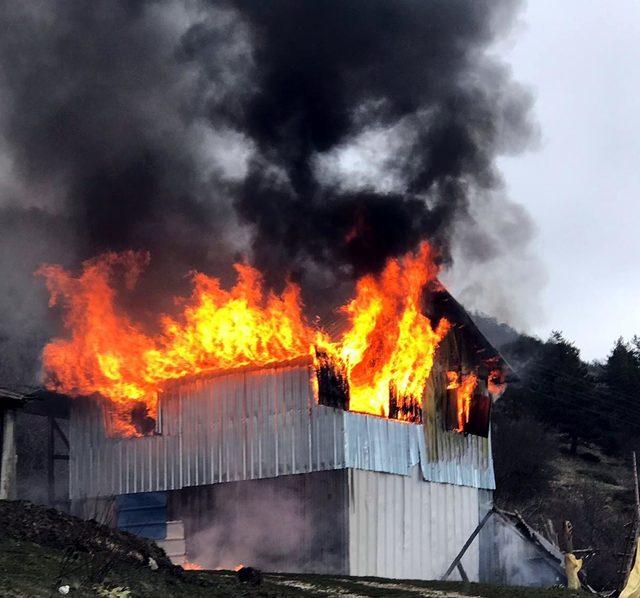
column 387, row 341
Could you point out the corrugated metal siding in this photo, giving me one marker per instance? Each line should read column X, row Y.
column 378, row 444
column 237, row 426
column 403, row 527
column 515, row 561
column 259, row 424
column 143, row 514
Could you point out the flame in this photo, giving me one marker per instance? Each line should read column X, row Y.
column 496, row 383
column 192, row 567
column 387, row 340
column 465, row 390
column 238, row 567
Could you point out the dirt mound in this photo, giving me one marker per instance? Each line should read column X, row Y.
column 28, row 522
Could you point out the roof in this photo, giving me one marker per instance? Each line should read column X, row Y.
column 11, row 399
column 549, row 551
column 35, row 400
column 443, row 304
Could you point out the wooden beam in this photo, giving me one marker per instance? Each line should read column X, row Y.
column 8, row 465
column 51, row 449
column 630, row 557
column 62, row 435
column 471, row 538
column 462, row 572
column 635, row 486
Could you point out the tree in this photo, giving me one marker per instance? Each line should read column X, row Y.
column 622, row 368
column 620, row 375
column 566, row 391
column 555, row 387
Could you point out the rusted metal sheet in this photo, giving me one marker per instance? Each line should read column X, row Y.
column 261, row 424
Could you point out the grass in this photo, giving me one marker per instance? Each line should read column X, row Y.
column 30, row 570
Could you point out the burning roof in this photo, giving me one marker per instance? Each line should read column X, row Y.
column 381, row 356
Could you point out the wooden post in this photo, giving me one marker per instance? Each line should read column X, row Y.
column 51, row 449
column 8, row 467
column 567, row 536
column 635, row 487
column 472, row 537
column 635, row 526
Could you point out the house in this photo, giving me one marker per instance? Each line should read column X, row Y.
column 264, row 467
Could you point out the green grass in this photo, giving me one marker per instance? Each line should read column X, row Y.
column 30, row 570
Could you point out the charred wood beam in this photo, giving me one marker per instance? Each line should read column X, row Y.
column 61, row 434
column 462, row 572
column 333, row 384
column 405, row 408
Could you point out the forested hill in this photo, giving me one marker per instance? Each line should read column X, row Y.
column 563, row 436
column 497, row 333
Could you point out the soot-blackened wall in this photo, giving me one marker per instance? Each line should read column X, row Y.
column 294, row 523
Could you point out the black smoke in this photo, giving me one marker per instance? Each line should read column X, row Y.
column 201, row 131
column 326, row 72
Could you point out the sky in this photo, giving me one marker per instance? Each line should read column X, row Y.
column 581, row 184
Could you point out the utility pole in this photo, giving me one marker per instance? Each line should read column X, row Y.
column 632, row 539
column 635, row 486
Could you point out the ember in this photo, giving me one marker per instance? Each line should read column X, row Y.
column 387, row 343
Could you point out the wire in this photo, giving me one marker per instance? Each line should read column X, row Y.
column 628, row 421
column 602, row 395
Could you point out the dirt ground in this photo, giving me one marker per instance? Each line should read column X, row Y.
column 42, row 550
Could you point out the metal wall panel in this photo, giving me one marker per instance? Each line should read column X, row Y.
column 247, row 425
column 237, row 426
column 515, row 560
column 376, row 444
column 293, row 523
column 404, row 527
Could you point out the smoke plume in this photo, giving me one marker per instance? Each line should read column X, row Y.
column 317, row 138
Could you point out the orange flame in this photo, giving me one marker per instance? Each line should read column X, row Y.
column 465, row 390
column 388, row 340
column 192, row 566
column 496, row 384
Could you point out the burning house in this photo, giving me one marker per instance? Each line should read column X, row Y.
column 242, row 434
column 347, row 148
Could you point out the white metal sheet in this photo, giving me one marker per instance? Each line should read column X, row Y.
column 258, row 424
column 405, row 527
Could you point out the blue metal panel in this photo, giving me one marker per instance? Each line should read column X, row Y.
column 143, row 514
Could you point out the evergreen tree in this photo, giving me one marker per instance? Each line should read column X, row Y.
column 555, row 387
column 621, row 378
column 622, row 368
